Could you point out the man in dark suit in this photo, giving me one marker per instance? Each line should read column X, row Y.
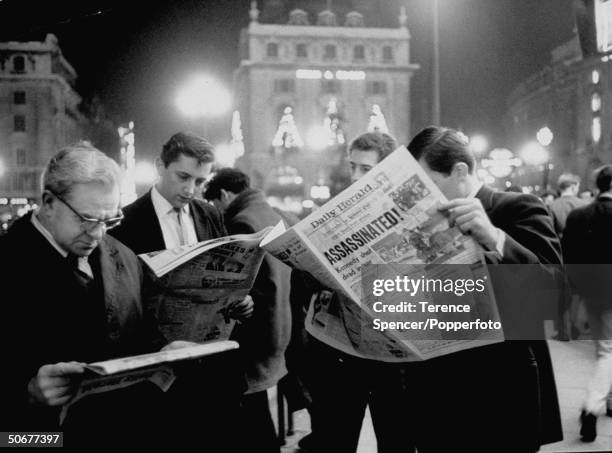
column 587, row 248
column 166, row 217
column 265, row 336
column 76, row 299
column 501, row 396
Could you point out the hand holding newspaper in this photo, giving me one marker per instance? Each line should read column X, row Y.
column 373, row 230
column 200, row 283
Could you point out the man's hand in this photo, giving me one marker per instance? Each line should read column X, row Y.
column 55, row 384
column 469, row 216
column 242, row 310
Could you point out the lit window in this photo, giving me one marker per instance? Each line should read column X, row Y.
column 595, row 76
column 359, row 52
column 596, row 129
column 595, row 102
column 19, row 97
column 19, row 124
column 330, row 52
column 272, row 49
column 301, row 50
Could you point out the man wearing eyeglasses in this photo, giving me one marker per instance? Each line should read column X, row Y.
column 76, row 298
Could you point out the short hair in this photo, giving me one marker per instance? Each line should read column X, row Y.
column 189, row 144
column 603, row 178
column 383, row 144
column 548, row 193
column 80, row 163
column 228, row 179
column 441, row 148
column 567, row 180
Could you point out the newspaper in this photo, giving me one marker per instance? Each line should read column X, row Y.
column 390, row 216
column 199, row 284
column 157, row 367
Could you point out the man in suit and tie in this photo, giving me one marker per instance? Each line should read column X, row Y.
column 502, row 394
column 77, row 299
column 587, row 250
column 166, row 217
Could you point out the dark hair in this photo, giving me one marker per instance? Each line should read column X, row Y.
column 189, row 144
column 604, row 178
column 442, row 148
column 228, row 179
column 383, row 144
column 548, row 193
column 567, row 180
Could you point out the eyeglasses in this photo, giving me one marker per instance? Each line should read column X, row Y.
column 89, row 224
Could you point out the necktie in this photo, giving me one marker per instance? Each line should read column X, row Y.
column 83, row 277
column 181, row 233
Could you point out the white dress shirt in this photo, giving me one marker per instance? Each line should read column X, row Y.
column 168, row 219
column 83, row 263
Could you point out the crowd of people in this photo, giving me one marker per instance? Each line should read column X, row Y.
column 81, row 295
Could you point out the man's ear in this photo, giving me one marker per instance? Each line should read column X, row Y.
column 460, row 170
column 47, row 198
column 224, row 195
column 159, row 165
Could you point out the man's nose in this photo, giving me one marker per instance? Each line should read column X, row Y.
column 189, row 187
column 97, row 232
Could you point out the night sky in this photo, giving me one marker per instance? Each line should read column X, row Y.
column 134, row 56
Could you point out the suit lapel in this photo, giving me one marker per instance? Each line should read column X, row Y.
column 485, row 195
column 200, row 222
column 151, row 225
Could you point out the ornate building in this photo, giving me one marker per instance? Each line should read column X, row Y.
column 38, row 113
column 307, row 86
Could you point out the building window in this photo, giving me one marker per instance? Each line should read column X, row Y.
column 284, row 86
column 596, row 129
column 272, row 49
column 595, row 102
column 19, row 97
column 387, row 54
column 21, row 157
column 330, row 86
column 19, row 63
column 595, row 76
column 377, row 87
column 358, row 52
column 19, row 123
column 301, row 50
column 330, row 52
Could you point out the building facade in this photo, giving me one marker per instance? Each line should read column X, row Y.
column 572, row 96
column 38, row 113
column 308, row 86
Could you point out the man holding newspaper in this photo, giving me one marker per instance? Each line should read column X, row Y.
column 451, row 393
column 77, row 300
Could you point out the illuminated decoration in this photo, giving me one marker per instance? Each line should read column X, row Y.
column 18, row 201
column 544, row 136
column 308, row 204
column 485, row 176
column 534, row 154
column 595, row 102
column 478, row 144
column 286, row 176
column 596, row 129
column 377, row 121
column 316, row 74
column 287, row 136
column 127, row 161
column 331, row 124
column 227, row 153
column 595, row 76
column 320, row 192
column 501, row 162
column 603, row 24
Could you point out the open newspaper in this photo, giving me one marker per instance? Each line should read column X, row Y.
column 388, row 217
column 157, row 367
column 199, row 283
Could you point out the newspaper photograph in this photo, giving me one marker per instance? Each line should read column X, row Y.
column 390, row 216
column 200, row 283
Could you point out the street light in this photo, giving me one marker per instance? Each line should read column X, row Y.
column 545, row 138
column 478, row 144
column 203, row 96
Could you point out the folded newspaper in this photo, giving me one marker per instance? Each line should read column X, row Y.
column 157, row 367
column 389, row 217
column 199, row 283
